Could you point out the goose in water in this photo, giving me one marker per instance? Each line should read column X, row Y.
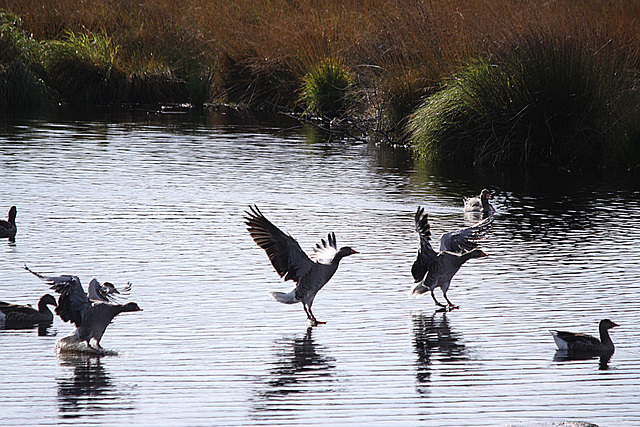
column 8, row 228
column 15, row 315
column 292, row 263
column 582, row 343
column 480, row 203
column 91, row 316
column 436, row 269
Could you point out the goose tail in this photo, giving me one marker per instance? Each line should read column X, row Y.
column 285, row 298
column 418, row 290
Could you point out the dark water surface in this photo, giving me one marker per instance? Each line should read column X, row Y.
column 159, row 200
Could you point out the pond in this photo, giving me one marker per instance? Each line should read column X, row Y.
column 158, row 200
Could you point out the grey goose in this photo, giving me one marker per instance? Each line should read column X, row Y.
column 292, row 263
column 436, row 269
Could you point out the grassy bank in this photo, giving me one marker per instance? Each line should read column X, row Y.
column 408, row 65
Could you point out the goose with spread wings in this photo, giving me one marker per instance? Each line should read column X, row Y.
column 90, row 312
column 436, row 269
column 292, row 263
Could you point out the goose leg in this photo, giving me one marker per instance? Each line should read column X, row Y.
column 438, row 303
column 451, row 305
column 311, row 317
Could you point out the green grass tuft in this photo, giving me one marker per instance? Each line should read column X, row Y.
column 548, row 100
column 327, row 89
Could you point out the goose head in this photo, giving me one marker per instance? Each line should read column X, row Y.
column 12, row 214
column 131, row 306
column 607, row 324
column 45, row 300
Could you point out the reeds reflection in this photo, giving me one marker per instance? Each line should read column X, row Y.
column 89, row 391
column 301, row 367
column 434, row 339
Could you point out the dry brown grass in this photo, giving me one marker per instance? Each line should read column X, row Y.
column 262, row 48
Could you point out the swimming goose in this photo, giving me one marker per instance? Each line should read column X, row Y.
column 582, row 343
column 91, row 317
column 291, row 263
column 436, row 269
column 8, row 228
column 25, row 315
column 480, row 203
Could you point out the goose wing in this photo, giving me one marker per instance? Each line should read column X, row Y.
column 426, row 254
column 7, row 307
column 73, row 301
column 105, row 291
column 464, row 240
column 574, row 339
column 326, row 250
column 284, row 252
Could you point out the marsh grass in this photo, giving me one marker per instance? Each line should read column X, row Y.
column 327, row 90
column 21, row 88
column 81, row 67
column 546, row 100
column 399, row 53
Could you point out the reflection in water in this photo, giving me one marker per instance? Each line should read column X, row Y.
column 89, row 391
column 45, row 329
column 567, row 356
column 301, row 363
column 433, row 337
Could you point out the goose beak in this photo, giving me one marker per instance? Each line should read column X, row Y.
column 614, row 324
column 353, row 251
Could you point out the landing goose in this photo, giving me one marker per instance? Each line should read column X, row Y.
column 15, row 315
column 582, row 343
column 436, row 269
column 479, row 203
column 91, row 316
column 8, row 228
column 291, row 263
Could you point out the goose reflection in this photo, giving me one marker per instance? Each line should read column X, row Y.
column 569, row 356
column 433, row 337
column 88, row 391
column 45, row 329
column 301, row 367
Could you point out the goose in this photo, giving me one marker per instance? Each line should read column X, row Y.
column 91, row 316
column 479, row 203
column 25, row 315
column 292, row 263
column 582, row 343
column 436, row 269
column 8, row 228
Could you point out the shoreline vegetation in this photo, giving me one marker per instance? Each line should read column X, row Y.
column 485, row 83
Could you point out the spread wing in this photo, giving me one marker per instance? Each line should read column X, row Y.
column 73, row 301
column 324, row 252
column 105, row 291
column 283, row 251
column 426, row 254
column 466, row 239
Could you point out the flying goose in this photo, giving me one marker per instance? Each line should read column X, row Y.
column 15, row 315
column 291, row 263
column 436, row 269
column 91, row 316
column 582, row 343
column 8, row 228
column 479, row 203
